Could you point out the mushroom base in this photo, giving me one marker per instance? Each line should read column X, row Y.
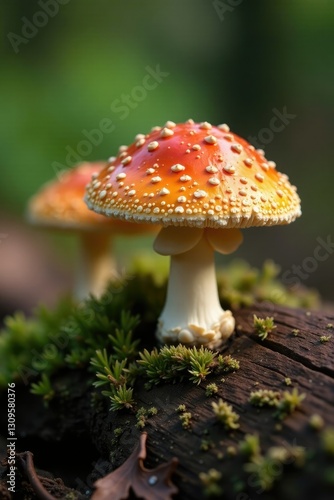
column 192, row 314
column 194, row 335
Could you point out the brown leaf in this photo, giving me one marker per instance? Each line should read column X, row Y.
column 146, row 484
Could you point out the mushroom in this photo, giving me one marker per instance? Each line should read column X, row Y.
column 203, row 183
column 59, row 205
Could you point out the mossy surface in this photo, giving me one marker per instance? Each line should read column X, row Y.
column 102, row 373
column 70, row 335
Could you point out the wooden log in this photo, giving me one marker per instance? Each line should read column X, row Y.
column 264, row 364
column 73, row 424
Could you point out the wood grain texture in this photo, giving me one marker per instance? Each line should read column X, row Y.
column 264, row 364
column 84, row 431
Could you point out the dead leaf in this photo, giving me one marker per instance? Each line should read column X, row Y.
column 154, row 484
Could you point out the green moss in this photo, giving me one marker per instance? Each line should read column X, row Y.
column 250, row 446
column 325, row 338
column 263, row 326
column 172, row 363
column 181, row 408
column 30, row 346
column 211, row 389
column 243, row 285
column 185, row 418
column 327, row 439
column 101, row 338
column 285, row 403
column 206, row 444
column 210, row 482
column 265, row 397
column 43, row 388
column 316, row 422
column 288, row 403
column 227, row 364
column 118, row 431
column 231, row 451
column 225, row 415
column 122, row 398
column 274, row 469
column 143, row 414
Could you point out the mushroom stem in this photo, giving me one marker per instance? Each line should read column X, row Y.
column 192, row 312
column 95, row 265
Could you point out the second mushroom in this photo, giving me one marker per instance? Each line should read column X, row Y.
column 59, row 205
column 202, row 183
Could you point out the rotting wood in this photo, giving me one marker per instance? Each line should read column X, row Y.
column 264, row 364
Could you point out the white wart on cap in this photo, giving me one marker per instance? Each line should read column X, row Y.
column 194, row 174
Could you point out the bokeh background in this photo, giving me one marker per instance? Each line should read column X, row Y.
column 69, row 64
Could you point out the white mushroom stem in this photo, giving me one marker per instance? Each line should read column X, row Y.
column 192, row 313
column 95, row 265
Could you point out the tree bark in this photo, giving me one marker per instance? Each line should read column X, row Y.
column 264, row 364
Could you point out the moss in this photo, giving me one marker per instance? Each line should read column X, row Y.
column 122, row 398
column 31, row 346
column 243, row 285
column 263, row 326
column 276, row 470
column 172, row 363
column 231, row 451
column 327, row 440
column 285, row 403
column 143, row 414
column 118, row 431
column 43, row 388
column 227, row 364
column 265, row 397
column 316, row 422
column 288, row 403
column 181, row 408
column 211, row 389
column 269, row 468
column 101, row 338
column 185, row 418
column 225, row 415
column 250, row 446
column 206, row 444
column 210, row 482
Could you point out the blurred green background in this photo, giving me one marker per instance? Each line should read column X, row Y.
column 67, row 65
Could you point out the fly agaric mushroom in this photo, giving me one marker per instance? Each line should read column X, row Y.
column 59, row 205
column 202, row 183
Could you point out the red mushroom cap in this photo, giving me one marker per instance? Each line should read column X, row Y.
column 193, row 174
column 59, row 204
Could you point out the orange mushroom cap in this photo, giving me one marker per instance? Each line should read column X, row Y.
column 193, row 174
column 59, row 204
